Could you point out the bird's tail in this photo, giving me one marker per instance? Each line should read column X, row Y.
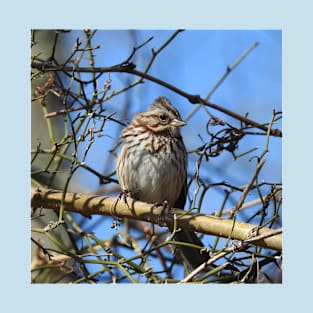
column 192, row 256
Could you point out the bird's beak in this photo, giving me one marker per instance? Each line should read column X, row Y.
column 178, row 123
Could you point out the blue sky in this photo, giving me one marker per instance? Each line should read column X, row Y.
column 194, row 61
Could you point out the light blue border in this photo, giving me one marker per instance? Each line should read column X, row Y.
column 296, row 22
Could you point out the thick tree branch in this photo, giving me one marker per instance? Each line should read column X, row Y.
column 88, row 205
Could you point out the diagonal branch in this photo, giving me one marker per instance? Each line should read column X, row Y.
column 88, row 205
column 130, row 69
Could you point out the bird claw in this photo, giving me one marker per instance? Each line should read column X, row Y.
column 124, row 195
column 161, row 217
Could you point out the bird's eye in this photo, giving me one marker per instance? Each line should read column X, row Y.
column 163, row 117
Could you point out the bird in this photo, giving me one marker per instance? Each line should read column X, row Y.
column 152, row 167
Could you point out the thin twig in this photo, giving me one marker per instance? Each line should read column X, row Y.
column 204, row 265
column 235, row 247
column 131, row 70
column 244, row 206
column 248, row 188
column 229, row 69
column 263, row 236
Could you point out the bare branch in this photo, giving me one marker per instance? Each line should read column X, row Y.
column 130, row 68
column 88, row 205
